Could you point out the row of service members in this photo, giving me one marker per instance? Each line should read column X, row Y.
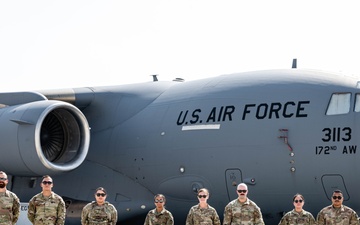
column 243, row 211
column 48, row 208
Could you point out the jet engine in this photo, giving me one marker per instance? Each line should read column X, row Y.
column 42, row 137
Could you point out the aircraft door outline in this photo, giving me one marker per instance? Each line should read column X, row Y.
column 332, row 182
column 233, row 177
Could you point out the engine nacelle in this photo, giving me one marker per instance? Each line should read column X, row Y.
column 42, row 137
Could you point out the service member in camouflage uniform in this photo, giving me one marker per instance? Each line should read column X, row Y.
column 242, row 211
column 298, row 216
column 202, row 213
column 159, row 215
column 47, row 208
column 99, row 211
column 9, row 203
column 337, row 213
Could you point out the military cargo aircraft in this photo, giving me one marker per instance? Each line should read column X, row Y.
column 281, row 132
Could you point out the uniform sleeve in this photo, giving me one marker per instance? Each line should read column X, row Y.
column 16, row 209
column 258, row 216
column 31, row 210
column 227, row 215
column 320, row 218
column 147, row 219
column 216, row 219
column 312, row 219
column 354, row 220
column 284, row 220
column 114, row 215
column 170, row 221
column 61, row 212
column 84, row 215
column 189, row 218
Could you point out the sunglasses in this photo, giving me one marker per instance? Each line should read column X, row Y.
column 100, row 194
column 336, row 197
column 3, row 178
column 202, row 196
column 297, row 201
column 47, row 182
column 159, row 201
column 242, row 191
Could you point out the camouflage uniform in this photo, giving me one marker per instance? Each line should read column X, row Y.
column 339, row 216
column 46, row 210
column 93, row 214
column 295, row 218
column 247, row 213
column 9, row 208
column 159, row 218
column 197, row 216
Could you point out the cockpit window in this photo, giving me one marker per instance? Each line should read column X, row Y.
column 339, row 104
column 357, row 103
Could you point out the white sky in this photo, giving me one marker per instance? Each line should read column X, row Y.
column 75, row 43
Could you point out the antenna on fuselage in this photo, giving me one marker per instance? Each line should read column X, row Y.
column 154, row 77
column 294, row 64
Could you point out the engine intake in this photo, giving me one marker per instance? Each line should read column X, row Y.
column 43, row 137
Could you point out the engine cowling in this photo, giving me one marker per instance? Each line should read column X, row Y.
column 42, row 137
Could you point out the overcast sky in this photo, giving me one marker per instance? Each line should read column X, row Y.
column 74, row 43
